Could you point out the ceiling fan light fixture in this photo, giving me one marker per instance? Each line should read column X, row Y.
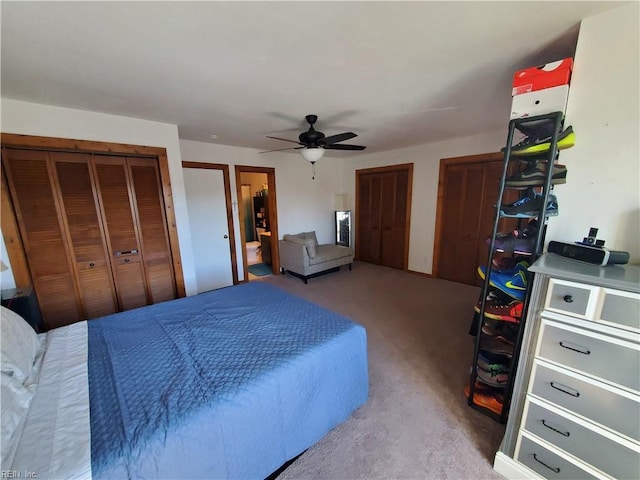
column 312, row 154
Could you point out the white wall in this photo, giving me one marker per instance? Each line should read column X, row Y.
column 603, row 179
column 426, row 165
column 44, row 120
column 303, row 204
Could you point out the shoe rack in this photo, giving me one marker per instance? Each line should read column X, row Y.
column 500, row 313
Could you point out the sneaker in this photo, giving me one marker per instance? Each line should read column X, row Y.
column 492, row 362
column 506, row 312
column 503, row 264
column 486, row 396
column 534, row 145
column 497, row 345
column 520, row 241
column 513, row 284
column 496, row 380
column 529, row 205
column 536, row 175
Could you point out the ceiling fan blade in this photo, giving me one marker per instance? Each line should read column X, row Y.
column 344, row 147
column 285, row 140
column 340, row 137
column 281, row 149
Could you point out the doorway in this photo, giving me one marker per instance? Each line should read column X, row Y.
column 208, row 193
column 383, row 215
column 467, row 193
column 257, row 210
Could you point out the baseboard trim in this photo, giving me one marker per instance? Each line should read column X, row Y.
column 509, row 468
column 422, row 274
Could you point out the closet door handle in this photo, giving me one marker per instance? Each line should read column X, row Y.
column 564, row 434
column 127, row 260
column 92, row 264
column 575, row 348
column 126, row 252
column 565, row 389
column 553, row 469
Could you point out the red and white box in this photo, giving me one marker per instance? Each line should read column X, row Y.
column 549, row 75
column 540, row 102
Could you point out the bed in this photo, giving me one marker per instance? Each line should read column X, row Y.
column 227, row 384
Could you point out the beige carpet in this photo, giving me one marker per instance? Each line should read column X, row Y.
column 416, row 423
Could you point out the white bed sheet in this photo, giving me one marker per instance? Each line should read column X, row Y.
column 56, row 438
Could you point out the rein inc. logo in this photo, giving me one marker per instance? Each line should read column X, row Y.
column 18, row 474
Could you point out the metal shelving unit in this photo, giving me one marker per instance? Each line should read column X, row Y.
column 550, row 156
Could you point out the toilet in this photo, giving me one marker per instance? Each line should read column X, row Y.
column 252, row 252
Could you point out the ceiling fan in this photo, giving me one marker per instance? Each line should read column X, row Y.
column 314, row 143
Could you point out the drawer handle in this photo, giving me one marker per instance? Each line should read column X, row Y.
column 568, row 391
column 565, row 434
column 556, row 469
column 575, row 348
column 568, row 298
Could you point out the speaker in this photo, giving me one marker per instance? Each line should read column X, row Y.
column 586, row 253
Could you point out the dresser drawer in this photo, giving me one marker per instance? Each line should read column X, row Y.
column 608, row 406
column 613, row 360
column 620, row 309
column 569, row 433
column 570, row 298
column 546, row 463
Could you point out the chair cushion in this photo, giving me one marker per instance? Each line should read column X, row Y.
column 327, row 253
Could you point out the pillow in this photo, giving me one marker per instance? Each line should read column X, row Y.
column 310, row 235
column 307, row 242
column 19, row 345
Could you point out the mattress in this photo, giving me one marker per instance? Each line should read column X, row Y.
column 227, row 384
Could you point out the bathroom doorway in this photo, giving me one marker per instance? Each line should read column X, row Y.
column 258, row 221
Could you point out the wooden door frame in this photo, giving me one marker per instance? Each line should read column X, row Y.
column 444, row 164
column 229, row 206
column 10, row 230
column 408, row 167
column 273, row 215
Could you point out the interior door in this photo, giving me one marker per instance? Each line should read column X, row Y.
column 29, row 175
column 206, row 206
column 470, row 193
column 121, row 228
column 79, row 202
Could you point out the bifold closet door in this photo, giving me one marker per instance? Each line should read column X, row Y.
column 153, row 229
column 30, row 178
column 121, row 230
column 79, row 205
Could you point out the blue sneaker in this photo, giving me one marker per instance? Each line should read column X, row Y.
column 513, row 284
column 529, row 205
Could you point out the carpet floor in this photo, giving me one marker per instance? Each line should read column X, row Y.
column 416, row 423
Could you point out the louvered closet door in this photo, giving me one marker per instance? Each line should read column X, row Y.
column 153, row 229
column 29, row 175
column 393, row 218
column 369, row 225
column 79, row 206
column 112, row 181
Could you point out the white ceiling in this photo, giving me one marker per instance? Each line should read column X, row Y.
column 396, row 73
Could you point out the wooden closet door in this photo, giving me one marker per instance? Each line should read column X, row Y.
column 370, row 204
column 79, row 207
column 30, row 178
column 153, row 229
column 393, row 218
column 117, row 208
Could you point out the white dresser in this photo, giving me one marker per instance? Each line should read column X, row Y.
column 575, row 410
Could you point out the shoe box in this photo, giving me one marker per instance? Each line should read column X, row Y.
column 539, row 102
column 549, row 75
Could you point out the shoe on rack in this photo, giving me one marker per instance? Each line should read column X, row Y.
column 486, row 396
column 520, row 241
column 492, row 362
column 536, row 174
column 496, row 380
column 513, row 284
column 503, row 264
column 534, row 145
column 506, row 312
column 529, row 205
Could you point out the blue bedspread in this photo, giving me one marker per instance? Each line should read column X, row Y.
column 226, row 384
